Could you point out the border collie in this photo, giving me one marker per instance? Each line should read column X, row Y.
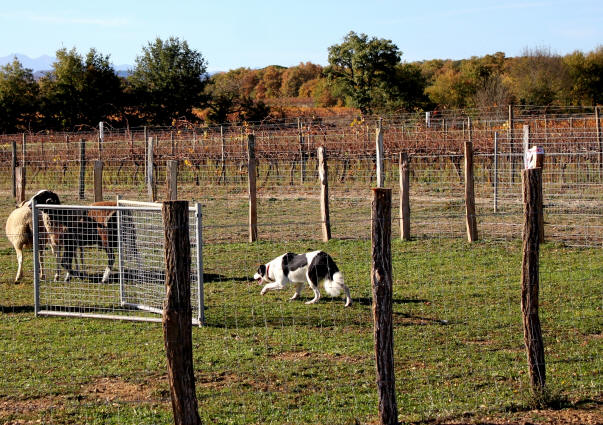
column 311, row 267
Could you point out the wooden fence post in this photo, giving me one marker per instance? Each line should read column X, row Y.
column 251, row 172
column 599, row 141
column 381, row 280
column 150, row 170
column 302, row 153
column 171, row 179
column 222, row 178
column 177, row 313
column 324, row 194
column 470, row 216
column 495, row 172
column 379, row 155
column 98, row 181
column 512, row 159
column 20, row 184
column 404, row 164
column 532, row 201
column 82, row 185
column 22, row 173
column 14, row 168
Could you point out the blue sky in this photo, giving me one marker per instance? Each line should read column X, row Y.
column 231, row 34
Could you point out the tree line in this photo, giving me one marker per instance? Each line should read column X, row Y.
column 169, row 83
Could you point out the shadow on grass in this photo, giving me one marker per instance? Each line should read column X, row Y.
column 149, row 275
column 16, row 309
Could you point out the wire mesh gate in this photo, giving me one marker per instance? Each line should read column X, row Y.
column 108, row 261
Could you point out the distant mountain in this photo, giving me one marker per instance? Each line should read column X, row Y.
column 43, row 64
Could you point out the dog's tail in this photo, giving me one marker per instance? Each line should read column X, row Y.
column 334, row 286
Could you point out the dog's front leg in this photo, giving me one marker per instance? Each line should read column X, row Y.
column 298, row 289
column 271, row 287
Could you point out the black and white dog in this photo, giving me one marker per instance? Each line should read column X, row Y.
column 311, row 267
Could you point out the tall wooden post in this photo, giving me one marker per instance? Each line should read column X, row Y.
column 512, row 159
column 222, row 178
column 302, row 152
column 532, row 197
column 177, row 313
column 20, row 184
column 82, row 185
column 251, row 171
column 150, row 170
column 14, row 168
column 22, row 174
column 599, row 141
column 323, row 173
column 495, row 172
column 470, row 215
column 404, row 165
column 98, row 181
column 381, row 279
column 171, row 179
column 379, row 155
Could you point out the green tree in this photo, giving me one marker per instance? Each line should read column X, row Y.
column 80, row 91
column 294, row 77
column 586, row 72
column 365, row 68
column 102, row 90
column 230, row 96
column 539, row 78
column 449, row 89
column 168, row 81
column 18, row 97
column 61, row 91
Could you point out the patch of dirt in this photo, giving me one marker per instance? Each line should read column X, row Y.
column 113, row 390
column 24, row 407
column 116, row 390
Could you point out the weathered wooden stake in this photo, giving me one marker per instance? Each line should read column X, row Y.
column 302, row 152
column 14, row 168
column 150, row 170
column 512, row 159
column 323, row 173
column 379, row 154
column 599, row 141
column 177, row 313
column 495, row 172
column 20, row 184
column 404, row 164
column 532, row 197
column 222, row 178
column 470, row 215
column 251, row 172
column 82, row 185
column 98, row 181
column 381, row 279
column 172, row 179
column 22, row 174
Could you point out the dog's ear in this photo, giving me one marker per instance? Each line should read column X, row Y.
column 262, row 270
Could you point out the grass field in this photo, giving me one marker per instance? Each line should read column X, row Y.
column 459, row 350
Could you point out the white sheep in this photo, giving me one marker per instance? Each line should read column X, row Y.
column 19, row 229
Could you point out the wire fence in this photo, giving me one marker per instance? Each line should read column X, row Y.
column 263, row 359
column 213, row 169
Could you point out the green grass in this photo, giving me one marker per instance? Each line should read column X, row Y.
column 457, row 328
